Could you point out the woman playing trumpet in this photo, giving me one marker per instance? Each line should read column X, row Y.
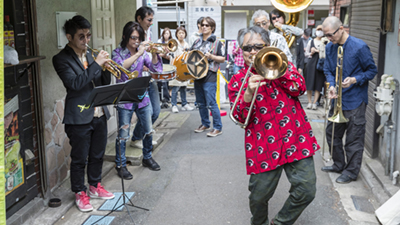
column 132, row 55
column 278, row 137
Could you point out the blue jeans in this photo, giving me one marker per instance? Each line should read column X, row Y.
column 124, row 124
column 156, row 109
column 205, row 98
column 236, row 69
column 174, row 95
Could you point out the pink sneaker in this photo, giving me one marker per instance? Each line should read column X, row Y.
column 82, row 201
column 100, row 192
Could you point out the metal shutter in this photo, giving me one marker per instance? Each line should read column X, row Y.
column 365, row 24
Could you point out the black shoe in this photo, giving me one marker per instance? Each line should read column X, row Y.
column 344, row 179
column 330, row 169
column 124, row 173
column 151, row 164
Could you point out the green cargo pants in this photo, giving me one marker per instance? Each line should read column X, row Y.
column 301, row 175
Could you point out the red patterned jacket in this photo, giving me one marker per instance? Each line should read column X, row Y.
column 279, row 131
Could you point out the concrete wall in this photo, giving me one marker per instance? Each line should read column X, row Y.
column 392, row 67
column 57, row 143
column 124, row 12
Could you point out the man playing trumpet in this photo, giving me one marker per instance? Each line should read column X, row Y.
column 86, row 129
column 278, row 136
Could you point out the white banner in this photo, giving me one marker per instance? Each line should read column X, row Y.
column 195, row 12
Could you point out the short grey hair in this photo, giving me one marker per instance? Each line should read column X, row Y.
column 333, row 22
column 252, row 31
column 259, row 13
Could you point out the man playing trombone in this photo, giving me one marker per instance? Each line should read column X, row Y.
column 358, row 68
column 278, row 136
column 86, row 129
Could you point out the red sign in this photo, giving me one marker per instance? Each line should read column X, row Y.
column 311, row 22
column 311, row 13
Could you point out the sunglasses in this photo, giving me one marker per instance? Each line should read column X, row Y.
column 205, row 25
column 331, row 35
column 82, row 37
column 264, row 23
column 275, row 17
column 256, row 47
column 135, row 38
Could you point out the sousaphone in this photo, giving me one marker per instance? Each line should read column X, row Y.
column 293, row 7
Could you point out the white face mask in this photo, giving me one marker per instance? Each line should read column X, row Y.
column 319, row 33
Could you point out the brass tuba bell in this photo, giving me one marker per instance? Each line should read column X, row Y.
column 293, row 7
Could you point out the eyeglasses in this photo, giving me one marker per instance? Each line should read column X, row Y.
column 275, row 17
column 82, row 36
column 205, row 25
column 331, row 35
column 135, row 38
column 256, row 47
column 263, row 23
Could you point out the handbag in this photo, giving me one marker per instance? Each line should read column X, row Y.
column 320, row 64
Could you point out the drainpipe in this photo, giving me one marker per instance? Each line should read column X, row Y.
column 395, row 120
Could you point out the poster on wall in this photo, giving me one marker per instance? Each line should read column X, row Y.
column 14, row 170
column 195, row 12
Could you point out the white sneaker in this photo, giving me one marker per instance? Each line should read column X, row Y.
column 314, row 106
column 309, row 106
column 175, row 109
column 139, row 144
column 187, row 107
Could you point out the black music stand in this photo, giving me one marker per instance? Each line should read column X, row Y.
column 128, row 92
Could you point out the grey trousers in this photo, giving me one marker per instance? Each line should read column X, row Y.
column 354, row 144
column 301, row 175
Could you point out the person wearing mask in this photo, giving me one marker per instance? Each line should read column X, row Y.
column 358, row 69
column 196, row 34
column 261, row 18
column 301, row 59
column 175, row 84
column 315, row 78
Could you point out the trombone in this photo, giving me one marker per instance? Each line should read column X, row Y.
column 114, row 68
column 337, row 116
column 269, row 62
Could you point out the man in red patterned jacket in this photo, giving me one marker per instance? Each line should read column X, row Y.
column 278, row 137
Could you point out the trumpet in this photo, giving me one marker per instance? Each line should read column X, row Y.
column 269, row 62
column 114, row 68
column 172, row 46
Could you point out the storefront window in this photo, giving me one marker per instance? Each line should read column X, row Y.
column 345, row 15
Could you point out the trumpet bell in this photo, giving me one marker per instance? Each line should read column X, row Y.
column 271, row 63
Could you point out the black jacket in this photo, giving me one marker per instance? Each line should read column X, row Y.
column 79, row 83
column 300, row 53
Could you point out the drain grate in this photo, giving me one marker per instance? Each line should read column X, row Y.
column 362, row 204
